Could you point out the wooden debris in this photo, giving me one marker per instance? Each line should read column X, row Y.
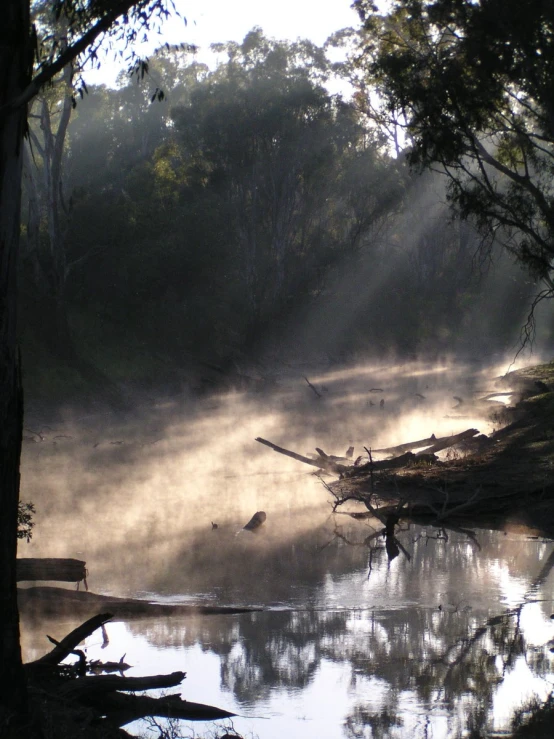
column 256, row 521
column 96, row 684
column 322, row 462
column 55, row 600
column 448, row 441
column 50, row 568
column 122, row 709
column 70, row 642
column 316, row 391
column 102, row 692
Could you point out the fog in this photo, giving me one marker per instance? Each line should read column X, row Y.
column 136, row 495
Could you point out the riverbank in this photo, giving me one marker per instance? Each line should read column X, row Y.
column 505, row 479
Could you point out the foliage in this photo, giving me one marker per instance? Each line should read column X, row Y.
column 250, row 207
column 471, row 85
column 222, row 209
column 25, row 521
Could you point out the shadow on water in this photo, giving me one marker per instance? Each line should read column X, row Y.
column 411, row 631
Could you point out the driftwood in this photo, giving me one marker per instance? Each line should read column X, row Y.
column 256, row 521
column 401, row 448
column 122, row 709
column 327, row 462
column 62, row 570
column 448, row 441
column 100, row 684
column 316, row 391
column 323, row 463
column 50, row 599
column 335, row 458
column 70, row 642
column 103, row 691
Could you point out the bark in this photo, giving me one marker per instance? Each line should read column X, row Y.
column 15, row 75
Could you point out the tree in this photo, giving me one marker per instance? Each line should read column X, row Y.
column 471, row 85
column 26, row 69
column 297, row 175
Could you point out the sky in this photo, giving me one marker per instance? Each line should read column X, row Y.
column 211, row 21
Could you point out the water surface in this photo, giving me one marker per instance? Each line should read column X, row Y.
column 453, row 633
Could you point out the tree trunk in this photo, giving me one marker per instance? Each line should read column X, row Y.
column 15, row 69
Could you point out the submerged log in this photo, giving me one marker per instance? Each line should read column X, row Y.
column 122, row 709
column 56, row 600
column 100, row 684
column 431, row 445
column 51, row 568
column 256, row 521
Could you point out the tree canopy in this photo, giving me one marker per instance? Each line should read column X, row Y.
column 470, row 83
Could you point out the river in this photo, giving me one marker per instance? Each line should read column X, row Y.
column 453, row 634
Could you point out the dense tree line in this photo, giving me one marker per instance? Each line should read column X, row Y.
column 247, row 210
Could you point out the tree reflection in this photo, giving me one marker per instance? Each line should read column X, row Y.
column 363, row 723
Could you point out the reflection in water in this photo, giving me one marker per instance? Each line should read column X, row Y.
column 449, row 635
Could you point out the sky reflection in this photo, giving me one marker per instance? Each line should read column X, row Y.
column 346, row 649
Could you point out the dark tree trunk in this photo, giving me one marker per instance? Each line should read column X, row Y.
column 15, row 68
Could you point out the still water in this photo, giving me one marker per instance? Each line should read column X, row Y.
column 453, row 634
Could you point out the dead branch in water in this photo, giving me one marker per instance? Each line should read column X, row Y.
column 99, row 684
column 323, row 463
column 316, row 391
column 103, row 692
column 70, row 642
column 122, row 709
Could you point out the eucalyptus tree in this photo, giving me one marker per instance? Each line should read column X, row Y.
column 27, row 67
column 470, row 83
column 276, row 153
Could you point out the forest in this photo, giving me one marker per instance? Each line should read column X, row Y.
column 240, row 214
column 313, row 244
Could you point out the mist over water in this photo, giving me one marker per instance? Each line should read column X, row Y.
column 347, row 638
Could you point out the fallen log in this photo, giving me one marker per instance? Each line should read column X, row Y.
column 122, row 709
column 256, row 521
column 102, row 692
column 100, row 684
column 51, row 568
column 431, row 445
column 55, row 600
column 401, row 448
column 323, row 463
column 68, row 643
column 389, row 464
column 334, row 457
column 447, row 442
